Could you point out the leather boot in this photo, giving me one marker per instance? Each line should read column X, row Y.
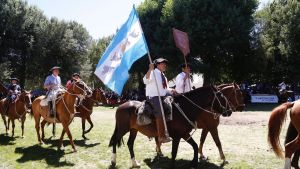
column 162, row 138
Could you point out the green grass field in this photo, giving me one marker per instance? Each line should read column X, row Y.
column 244, row 139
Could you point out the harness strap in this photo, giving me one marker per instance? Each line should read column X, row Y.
column 187, row 119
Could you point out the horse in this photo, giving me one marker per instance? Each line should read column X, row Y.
column 180, row 127
column 3, row 90
column 16, row 110
column 3, row 93
column 65, row 110
column 278, row 116
column 85, row 109
column 209, row 123
column 292, row 134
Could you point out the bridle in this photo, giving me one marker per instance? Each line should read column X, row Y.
column 236, row 99
column 225, row 108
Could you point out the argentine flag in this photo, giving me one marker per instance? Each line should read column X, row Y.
column 127, row 46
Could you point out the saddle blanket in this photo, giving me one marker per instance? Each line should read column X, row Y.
column 145, row 113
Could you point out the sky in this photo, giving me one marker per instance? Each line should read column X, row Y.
column 99, row 17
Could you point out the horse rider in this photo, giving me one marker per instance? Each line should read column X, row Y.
column 158, row 68
column 183, row 80
column 53, row 86
column 282, row 87
column 75, row 77
column 13, row 92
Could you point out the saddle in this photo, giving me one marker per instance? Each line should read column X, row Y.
column 145, row 112
column 45, row 103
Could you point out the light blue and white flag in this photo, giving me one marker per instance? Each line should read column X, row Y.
column 127, row 46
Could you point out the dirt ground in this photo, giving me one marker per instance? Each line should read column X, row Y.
column 246, row 118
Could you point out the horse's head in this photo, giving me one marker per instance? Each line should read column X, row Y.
column 220, row 103
column 80, row 88
column 25, row 97
column 98, row 95
column 235, row 96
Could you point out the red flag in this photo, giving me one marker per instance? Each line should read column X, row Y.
column 182, row 41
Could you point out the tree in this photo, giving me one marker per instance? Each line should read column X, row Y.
column 219, row 32
column 279, row 38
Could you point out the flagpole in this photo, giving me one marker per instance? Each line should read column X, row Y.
column 186, row 66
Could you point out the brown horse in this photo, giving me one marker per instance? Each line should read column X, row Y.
column 276, row 120
column 16, row 110
column 209, row 122
column 85, row 109
column 179, row 127
column 64, row 111
column 3, row 93
column 292, row 134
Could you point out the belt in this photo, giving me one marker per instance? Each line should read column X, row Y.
column 151, row 97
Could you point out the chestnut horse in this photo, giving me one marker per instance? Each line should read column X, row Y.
column 64, row 111
column 276, row 120
column 292, row 134
column 16, row 110
column 85, row 109
column 3, row 93
column 179, row 127
column 209, row 122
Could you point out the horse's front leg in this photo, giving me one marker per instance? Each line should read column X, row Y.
column 13, row 127
column 22, row 124
column 5, row 124
column 191, row 141
column 43, row 123
column 91, row 124
column 130, row 144
column 67, row 130
column 202, row 140
column 83, row 127
column 175, row 144
column 215, row 135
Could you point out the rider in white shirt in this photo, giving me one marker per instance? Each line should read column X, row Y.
column 153, row 95
column 183, row 81
column 282, row 87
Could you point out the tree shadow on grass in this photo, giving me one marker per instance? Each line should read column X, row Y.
column 164, row 162
column 6, row 140
column 38, row 153
column 80, row 143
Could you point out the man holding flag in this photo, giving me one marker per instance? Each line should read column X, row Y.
column 127, row 46
column 156, row 74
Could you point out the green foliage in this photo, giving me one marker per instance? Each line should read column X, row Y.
column 280, row 39
column 30, row 44
column 219, row 33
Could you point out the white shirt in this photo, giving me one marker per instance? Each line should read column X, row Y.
column 282, row 86
column 151, row 90
column 182, row 85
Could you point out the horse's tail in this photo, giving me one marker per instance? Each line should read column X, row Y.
column 114, row 140
column 277, row 117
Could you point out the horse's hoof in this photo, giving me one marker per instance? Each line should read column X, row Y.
column 84, row 138
column 75, row 151
column 224, row 162
column 203, row 158
column 41, row 143
column 113, row 164
column 135, row 164
column 160, row 155
column 23, row 137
